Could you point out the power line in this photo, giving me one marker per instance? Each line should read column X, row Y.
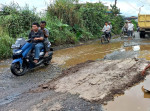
column 132, row 6
column 145, row 3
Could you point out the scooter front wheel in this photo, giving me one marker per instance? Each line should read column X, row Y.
column 17, row 70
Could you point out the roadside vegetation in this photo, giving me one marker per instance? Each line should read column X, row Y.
column 135, row 23
column 67, row 20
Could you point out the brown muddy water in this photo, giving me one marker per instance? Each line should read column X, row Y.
column 72, row 56
column 134, row 99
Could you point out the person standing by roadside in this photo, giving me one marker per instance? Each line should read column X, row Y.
column 130, row 29
column 138, row 28
column 46, row 35
column 110, row 28
column 126, row 26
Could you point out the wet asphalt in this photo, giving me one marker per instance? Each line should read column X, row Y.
column 12, row 87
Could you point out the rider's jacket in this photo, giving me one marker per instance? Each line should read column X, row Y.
column 38, row 34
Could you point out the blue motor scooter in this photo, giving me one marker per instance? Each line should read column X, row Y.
column 23, row 56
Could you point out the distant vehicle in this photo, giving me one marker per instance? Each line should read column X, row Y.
column 23, row 57
column 144, row 24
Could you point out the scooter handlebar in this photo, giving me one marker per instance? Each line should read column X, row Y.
column 30, row 40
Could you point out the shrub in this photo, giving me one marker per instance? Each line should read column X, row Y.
column 59, row 32
column 135, row 24
column 93, row 17
column 85, row 19
column 17, row 20
column 5, row 49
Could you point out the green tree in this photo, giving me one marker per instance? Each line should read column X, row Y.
column 114, row 10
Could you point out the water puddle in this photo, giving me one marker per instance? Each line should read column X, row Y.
column 143, row 51
column 72, row 56
column 134, row 99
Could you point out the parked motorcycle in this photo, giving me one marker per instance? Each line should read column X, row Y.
column 23, row 56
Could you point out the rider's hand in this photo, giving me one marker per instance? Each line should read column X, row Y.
column 36, row 38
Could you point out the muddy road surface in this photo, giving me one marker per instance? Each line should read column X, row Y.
column 72, row 84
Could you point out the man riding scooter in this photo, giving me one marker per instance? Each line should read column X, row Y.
column 106, row 30
column 24, row 57
column 38, row 37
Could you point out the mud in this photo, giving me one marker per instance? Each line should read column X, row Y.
column 65, row 72
column 99, row 81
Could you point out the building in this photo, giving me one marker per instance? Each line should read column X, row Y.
column 131, row 18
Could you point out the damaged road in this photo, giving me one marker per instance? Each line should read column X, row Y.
column 100, row 80
column 80, row 78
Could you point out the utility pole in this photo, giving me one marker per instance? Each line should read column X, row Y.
column 140, row 9
column 115, row 3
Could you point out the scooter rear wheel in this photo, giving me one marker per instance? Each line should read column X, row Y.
column 17, row 70
column 48, row 61
column 104, row 40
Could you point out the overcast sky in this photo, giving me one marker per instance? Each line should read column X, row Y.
column 127, row 7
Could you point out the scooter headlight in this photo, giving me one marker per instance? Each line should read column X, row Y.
column 15, row 46
column 18, row 52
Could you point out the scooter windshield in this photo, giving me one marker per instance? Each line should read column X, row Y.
column 20, row 41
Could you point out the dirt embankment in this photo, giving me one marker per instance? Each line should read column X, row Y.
column 100, row 80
